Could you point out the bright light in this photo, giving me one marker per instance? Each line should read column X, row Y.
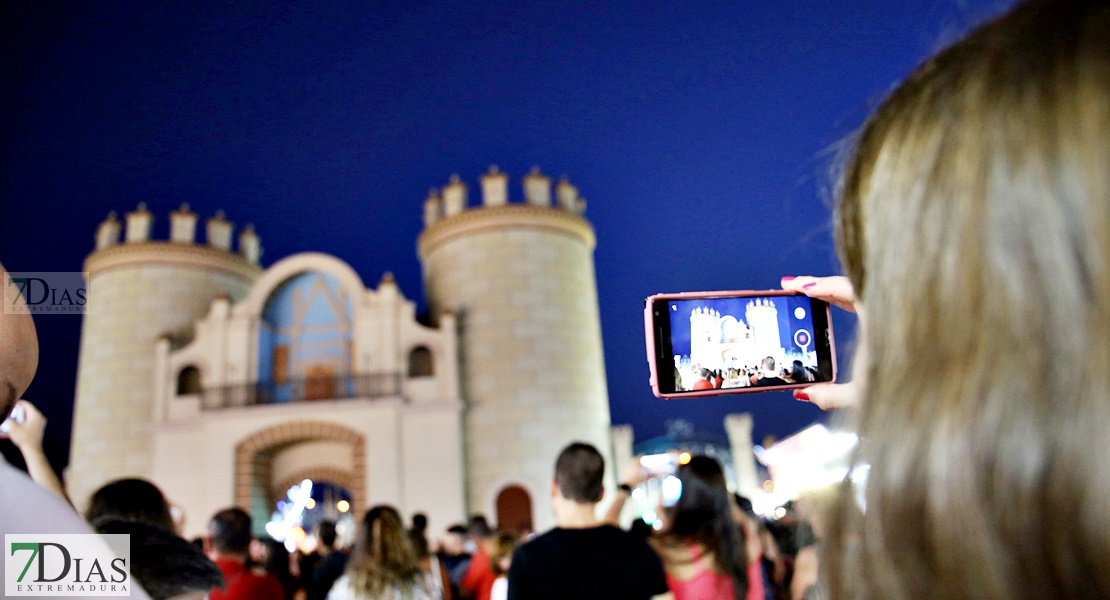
column 672, row 490
column 780, row 512
column 658, row 525
column 649, row 516
column 296, row 534
column 310, row 504
column 290, row 511
column 769, row 485
column 638, row 493
column 684, row 458
column 343, row 506
column 800, row 313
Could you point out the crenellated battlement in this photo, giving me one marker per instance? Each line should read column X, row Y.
column 137, row 225
column 452, row 199
column 761, row 304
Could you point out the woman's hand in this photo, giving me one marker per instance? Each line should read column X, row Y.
column 836, row 290
column 27, row 435
column 839, row 292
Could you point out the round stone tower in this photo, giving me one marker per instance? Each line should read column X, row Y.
column 139, row 291
column 520, row 279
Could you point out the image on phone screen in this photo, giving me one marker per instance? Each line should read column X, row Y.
column 741, row 343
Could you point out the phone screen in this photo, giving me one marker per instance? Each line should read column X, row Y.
column 740, row 343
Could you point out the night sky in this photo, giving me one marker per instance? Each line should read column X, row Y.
column 701, row 134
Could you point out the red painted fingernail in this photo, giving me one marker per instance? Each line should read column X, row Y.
column 801, row 396
column 809, row 285
column 789, row 278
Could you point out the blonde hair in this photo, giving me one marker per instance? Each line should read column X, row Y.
column 383, row 559
column 503, row 544
column 974, row 223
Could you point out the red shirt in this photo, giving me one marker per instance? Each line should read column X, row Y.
column 479, row 577
column 702, row 384
column 241, row 584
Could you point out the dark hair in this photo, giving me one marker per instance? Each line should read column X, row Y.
column 744, row 504
column 230, row 530
column 277, row 564
column 133, row 500
column 579, row 472
column 162, row 563
column 703, row 514
column 420, row 522
column 458, row 528
column 325, row 532
column 641, row 529
column 477, row 526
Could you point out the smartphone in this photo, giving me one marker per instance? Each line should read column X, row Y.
column 740, row 342
column 659, row 465
column 17, row 415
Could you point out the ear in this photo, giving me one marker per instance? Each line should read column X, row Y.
column 555, row 488
column 207, row 544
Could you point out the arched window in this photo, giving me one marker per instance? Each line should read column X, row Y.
column 420, row 362
column 188, row 381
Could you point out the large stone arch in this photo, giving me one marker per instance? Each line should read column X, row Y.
column 254, row 459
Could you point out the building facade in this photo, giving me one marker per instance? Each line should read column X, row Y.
column 226, row 383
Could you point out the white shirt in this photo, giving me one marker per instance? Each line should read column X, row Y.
column 420, row 590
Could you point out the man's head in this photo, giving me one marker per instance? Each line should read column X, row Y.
column 229, row 532
column 165, row 565
column 454, row 540
column 769, row 365
column 325, row 532
column 579, row 472
column 19, row 350
column 478, row 528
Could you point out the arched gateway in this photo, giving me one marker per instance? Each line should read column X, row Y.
column 272, row 459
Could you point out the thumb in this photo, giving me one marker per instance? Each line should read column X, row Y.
column 830, row 396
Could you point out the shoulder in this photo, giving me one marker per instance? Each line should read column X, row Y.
column 341, row 589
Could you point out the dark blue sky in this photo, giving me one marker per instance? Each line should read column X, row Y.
column 701, row 133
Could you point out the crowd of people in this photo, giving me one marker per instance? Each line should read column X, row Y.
column 973, row 222
column 766, row 374
column 713, row 546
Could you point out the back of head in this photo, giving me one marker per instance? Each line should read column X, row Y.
column 478, row 527
column 132, row 499
column 383, row 556
column 164, row 565
column 326, row 533
column 504, row 543
column 769, row 364
column 974, row 223
column 230, row 532
column 580, row 473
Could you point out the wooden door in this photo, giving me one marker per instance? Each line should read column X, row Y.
column 319, row 382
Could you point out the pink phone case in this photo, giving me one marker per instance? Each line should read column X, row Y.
column 649, row 336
